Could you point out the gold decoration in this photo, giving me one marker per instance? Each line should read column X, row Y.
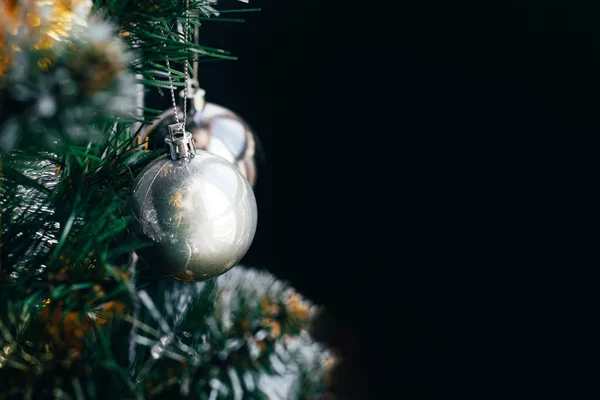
column 8, row 10
column 68, row 330
column 262, row 346
column 268, row 307
column 109, row 310
column 274, row 327
column 185, row 276
column 63, row 14
column 38, row 24
column 329, row 364
column 297, row 307
column 245, row 325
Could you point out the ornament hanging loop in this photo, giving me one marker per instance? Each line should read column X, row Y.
column 180, row 142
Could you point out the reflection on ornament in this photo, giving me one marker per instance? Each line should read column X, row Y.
column 199, row 213
column 214, row 128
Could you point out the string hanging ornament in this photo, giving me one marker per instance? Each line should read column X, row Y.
column 214, row 128
column 195, row 209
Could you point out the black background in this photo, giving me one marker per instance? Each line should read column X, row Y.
column 400, row 144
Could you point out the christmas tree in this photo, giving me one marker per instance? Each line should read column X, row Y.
column 81, row 316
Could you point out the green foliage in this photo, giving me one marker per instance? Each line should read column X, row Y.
column 238, row 333
column 161, row 35
column 78, row 318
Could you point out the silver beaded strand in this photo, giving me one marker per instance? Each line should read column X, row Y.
column 185, row 70
column 180, row 142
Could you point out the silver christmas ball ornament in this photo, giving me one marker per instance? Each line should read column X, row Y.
column 195, row 209
column 214, row 128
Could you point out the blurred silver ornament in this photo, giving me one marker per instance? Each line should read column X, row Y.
column 215, row 129
column 196, row 208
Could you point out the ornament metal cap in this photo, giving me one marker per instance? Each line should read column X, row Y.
column 180, row 143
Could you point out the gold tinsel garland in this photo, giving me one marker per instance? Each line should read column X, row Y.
column 39, row 24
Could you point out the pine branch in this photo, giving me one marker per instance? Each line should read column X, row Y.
column 69, row 298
